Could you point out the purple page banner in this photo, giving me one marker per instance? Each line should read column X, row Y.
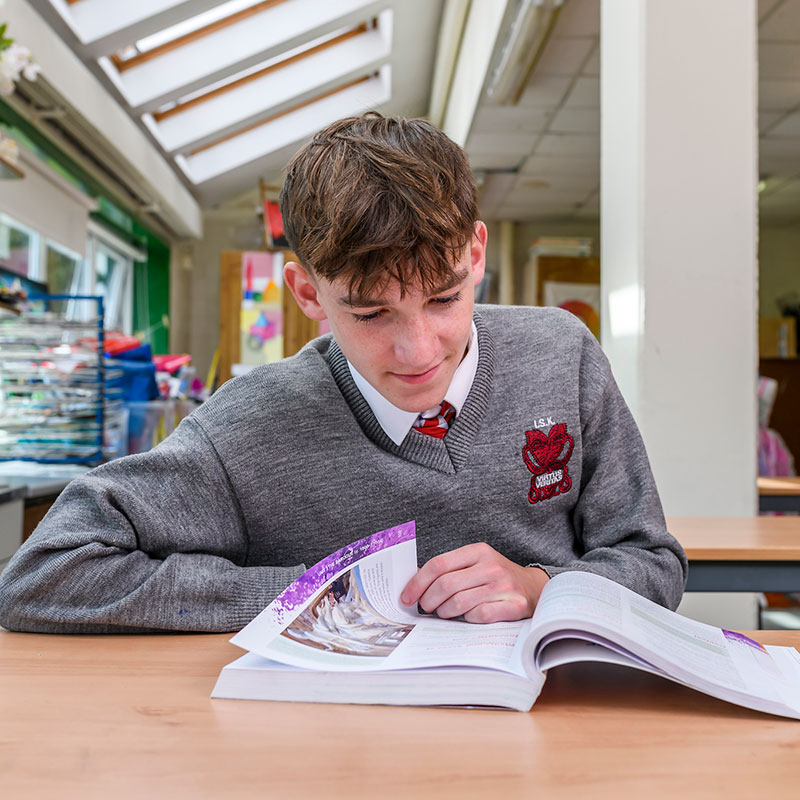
column 323, row 572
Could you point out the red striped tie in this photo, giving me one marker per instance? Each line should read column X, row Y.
column 436, row 426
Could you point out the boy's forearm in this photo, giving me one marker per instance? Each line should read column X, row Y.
column 84, row 592
column 155, row 542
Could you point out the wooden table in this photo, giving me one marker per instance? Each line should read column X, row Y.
column 746, row 554
column 130, row 717
column 779, row 494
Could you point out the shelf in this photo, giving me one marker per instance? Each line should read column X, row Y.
column 9, row 308
column 52, row 387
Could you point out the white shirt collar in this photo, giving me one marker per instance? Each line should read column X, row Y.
column 395, row 422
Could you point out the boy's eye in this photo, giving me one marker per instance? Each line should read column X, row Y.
column 366, row 317
column 440, row 301
column 445, row 301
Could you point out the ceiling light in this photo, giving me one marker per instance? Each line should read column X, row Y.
column 527, row 37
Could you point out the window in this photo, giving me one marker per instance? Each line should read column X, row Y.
column 113, row 281
column 65, row 271
column 19, row 247
column 111, row 259
column 107, row 269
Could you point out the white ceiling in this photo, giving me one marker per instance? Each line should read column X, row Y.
column 540, row 159
column 537, row 160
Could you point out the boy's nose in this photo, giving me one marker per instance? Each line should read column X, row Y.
column 416, row 346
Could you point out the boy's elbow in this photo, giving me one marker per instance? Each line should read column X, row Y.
column 676, row 573
column 20, row 606
column 10, row 603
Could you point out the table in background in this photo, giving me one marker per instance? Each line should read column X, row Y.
column 41, row 485
column 740, row 554
column 779, row 494
column 12, row 500
column 130, row 717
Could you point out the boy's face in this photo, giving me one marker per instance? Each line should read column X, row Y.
column 407, row 347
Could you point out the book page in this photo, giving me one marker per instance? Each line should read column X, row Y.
column 720, row 662
column 345, row 614
column 588, row 648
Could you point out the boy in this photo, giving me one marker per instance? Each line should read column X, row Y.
column 500, row 431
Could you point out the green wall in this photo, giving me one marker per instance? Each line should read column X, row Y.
column 151, row 293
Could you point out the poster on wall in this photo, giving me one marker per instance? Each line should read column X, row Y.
column 261, row 316
column 580, row 299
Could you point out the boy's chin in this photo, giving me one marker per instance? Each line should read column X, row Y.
column 418, row 403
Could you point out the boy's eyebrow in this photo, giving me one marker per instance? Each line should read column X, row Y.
column 355, row 301
column 358, row 301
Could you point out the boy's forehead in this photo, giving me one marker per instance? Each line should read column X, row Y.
column 391, row 290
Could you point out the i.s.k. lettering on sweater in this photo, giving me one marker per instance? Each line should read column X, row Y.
column 543, row 422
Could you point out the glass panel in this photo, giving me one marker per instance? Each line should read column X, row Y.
column 63, row 273
column 104, row 268
column 111, row 282
column 16, row 247
column 68, row 273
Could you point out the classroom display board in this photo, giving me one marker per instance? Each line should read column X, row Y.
column 261, row 310
column 260, row 321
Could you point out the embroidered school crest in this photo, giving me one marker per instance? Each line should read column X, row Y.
column 546, row 456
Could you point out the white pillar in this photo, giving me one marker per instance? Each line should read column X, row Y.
column 679, row 240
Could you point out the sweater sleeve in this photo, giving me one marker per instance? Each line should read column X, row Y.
column 155, row 541
column 618, row 521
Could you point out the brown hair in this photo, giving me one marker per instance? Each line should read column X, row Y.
column 372, row 199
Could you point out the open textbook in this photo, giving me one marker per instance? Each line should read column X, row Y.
column 340, row 634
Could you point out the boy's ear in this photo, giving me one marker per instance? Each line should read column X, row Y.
column 304, row 289
column 478, row 252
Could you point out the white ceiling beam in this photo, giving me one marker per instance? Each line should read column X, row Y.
column 100, row 27
column 272, row 93
column 128, row 21
column 451, row 29
column 481, row 32
column 108, row 126
column 237, row 47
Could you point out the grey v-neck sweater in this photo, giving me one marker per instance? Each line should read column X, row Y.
column 285, row 465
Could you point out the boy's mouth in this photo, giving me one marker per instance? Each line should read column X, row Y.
column 419, row 377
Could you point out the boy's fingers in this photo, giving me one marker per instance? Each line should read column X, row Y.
column 462, row 602
column 497, row 611
column 449, row 585
column 437, row 566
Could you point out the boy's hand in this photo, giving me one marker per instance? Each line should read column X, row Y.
column 477, row 582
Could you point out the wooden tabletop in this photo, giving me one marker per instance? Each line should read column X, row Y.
column 738, row 538
column 779, row 486
column 130, row 717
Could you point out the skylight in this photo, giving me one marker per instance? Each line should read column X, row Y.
column 270, row 62
column 222, row 85
column 196, row 23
